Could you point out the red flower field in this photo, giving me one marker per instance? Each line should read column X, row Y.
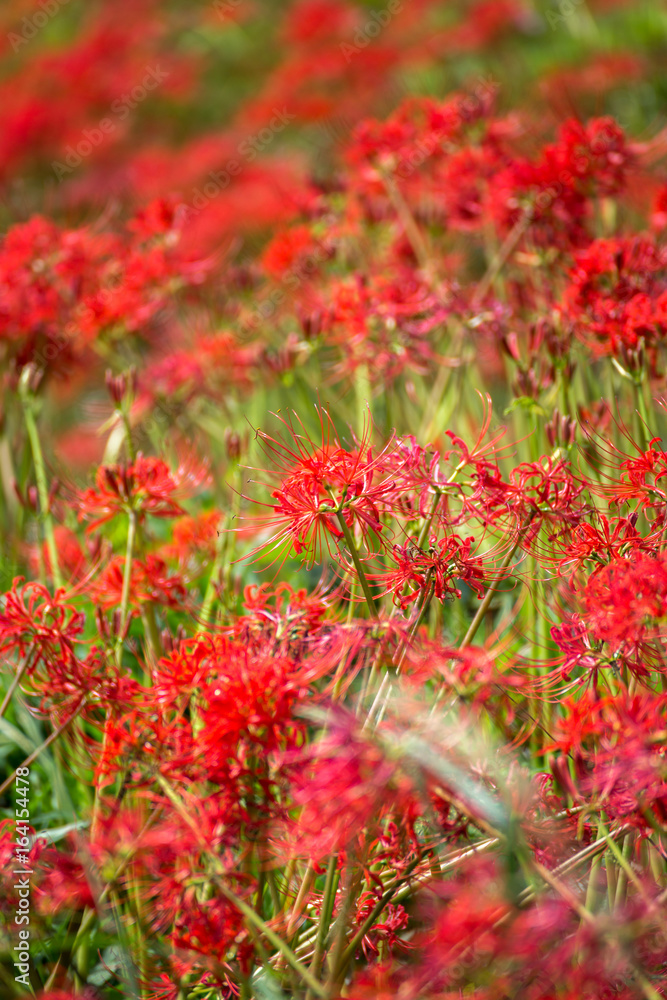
column 333, row 531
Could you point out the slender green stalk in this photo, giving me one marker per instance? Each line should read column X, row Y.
column 151, row 630
column 426, row 526
column 407, row 220
column 304, row 889
column 484, row 606
column 625, row 869
column 209, row 596
column 592, row 888
column 643, row 421
column 125, row 417
column 274, row 938
column 370, row 600
column 43, row 746
column 384, row 691
column 499, row 259
column 362, row 391
column 281, row 946
column 16, row 680
column 40, row 476
column 326, row 909
column 127, row 580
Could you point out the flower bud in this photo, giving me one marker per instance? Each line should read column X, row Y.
column 102, row 624
column 233, row 444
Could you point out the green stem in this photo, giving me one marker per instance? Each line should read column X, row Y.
column 643, row 422
column 151, row 629
column 209, row 596
column 370, row 601
column 43, row 746
column 14, row 684
column 127, row 579
column 362, row 392
column 592, row 889
column 625, row 869
column 327, row 908
column 128, row 434
column 426, row 527
column 499, row 259
column 484, row 606
column 271, row 936
column 407, row 220
column 42, row 488
column 239, row 903
column 384, row 691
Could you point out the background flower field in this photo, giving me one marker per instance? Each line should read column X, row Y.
column 333, row 534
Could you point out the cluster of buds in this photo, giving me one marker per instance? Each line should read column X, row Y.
column 313, row 323
column 631, row 360
column 113, row 629
column 121, row 386
column 561, row 430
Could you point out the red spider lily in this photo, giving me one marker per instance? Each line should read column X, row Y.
column 245, row 696
column 69, row 286
column 65, row 886
column 45, row 628
column 617, row 294
column 555, row 192
column 137, row 745
column 247, row 708
column 286, row 249
column 146, row 486
column 177, row 676
column 447, row 560
column 290, row 622
column 50, row 269
column 601, row 542
column 537, row 493
column 382, row 934
column 640, row 479
column 417, row 124
column 573, row 640
column 626, row 600
column 319, row 483
column 85, row 686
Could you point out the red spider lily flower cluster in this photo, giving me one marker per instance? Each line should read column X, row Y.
column 146, row 486
column 371, row 702
column 325, row 489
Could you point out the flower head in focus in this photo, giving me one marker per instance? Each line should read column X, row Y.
column 326, row 489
